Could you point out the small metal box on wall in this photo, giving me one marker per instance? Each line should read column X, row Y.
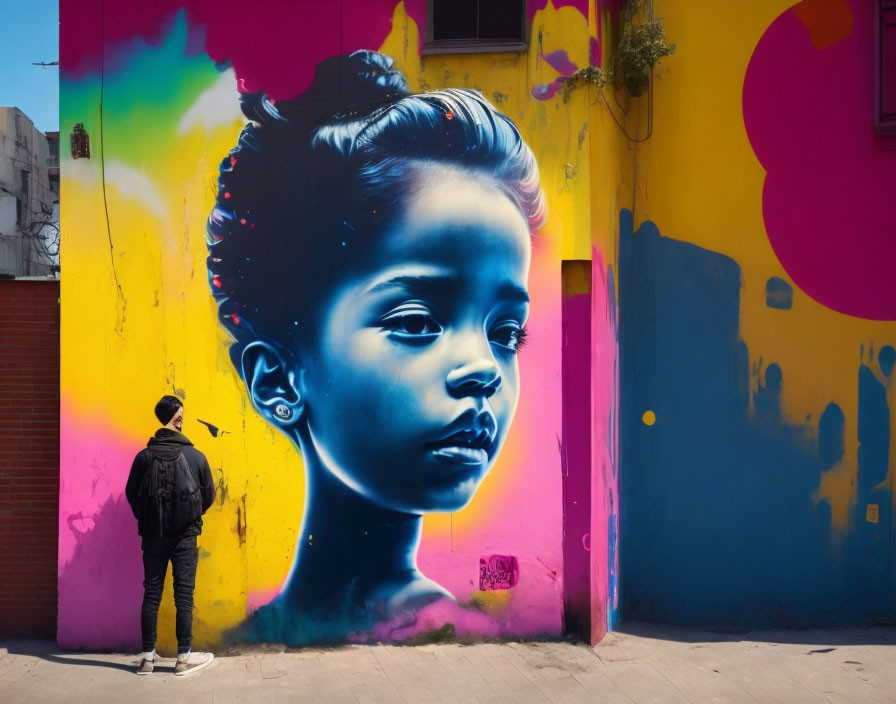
column 80, row 141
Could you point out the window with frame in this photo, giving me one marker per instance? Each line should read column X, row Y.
column 467, row 26
column 885, row 67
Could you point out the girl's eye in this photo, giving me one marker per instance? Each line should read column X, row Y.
column 412, row 324
column 509, row 334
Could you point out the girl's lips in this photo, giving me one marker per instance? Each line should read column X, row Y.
column 461, row 454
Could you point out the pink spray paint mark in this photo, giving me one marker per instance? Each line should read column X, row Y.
column 559, row 61
column 595, row 52
column 498, row 572
column 827, row 200
column 547, row 91
column 467, row 621
column 534, row 6
column 273, row 50
column 260, row 597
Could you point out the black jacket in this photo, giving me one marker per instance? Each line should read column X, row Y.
column 169, row 444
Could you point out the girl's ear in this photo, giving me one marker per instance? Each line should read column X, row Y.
column 273, row 387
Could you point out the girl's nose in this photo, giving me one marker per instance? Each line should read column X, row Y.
column 478, row 377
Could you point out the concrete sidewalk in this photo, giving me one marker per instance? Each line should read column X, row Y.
column 641, row 664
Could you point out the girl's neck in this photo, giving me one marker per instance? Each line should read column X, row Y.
column 350, row 551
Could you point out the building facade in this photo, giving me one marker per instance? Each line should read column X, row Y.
column 29, row 197
column 332, row 256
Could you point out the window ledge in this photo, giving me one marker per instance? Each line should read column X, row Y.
column 475, row 46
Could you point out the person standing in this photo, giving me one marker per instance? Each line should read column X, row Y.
column 169, row 488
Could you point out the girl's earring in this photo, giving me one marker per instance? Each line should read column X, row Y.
column 282, row 411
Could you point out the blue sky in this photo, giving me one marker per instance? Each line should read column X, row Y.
column 30, row 32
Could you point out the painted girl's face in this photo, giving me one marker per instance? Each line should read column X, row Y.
column 413, row 379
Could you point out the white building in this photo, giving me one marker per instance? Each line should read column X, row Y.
column 29, row 202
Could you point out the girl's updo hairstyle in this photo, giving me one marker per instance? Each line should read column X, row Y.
column 313, row 180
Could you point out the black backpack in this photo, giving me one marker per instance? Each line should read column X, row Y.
column 168, row 499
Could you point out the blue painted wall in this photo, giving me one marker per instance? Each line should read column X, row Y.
column 718, row 523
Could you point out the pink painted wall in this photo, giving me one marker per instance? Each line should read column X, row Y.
column 827, row 196
column 604, row 539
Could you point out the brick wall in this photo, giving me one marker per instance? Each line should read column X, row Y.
column 29, row 456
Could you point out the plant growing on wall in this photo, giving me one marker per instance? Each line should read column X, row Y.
column 593, row 75
column 642, row 45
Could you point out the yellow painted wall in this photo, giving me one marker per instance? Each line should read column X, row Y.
column 700, row 181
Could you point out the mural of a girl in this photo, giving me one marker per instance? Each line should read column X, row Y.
column 369, row 252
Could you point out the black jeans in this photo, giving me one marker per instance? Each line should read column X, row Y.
column 184, row 556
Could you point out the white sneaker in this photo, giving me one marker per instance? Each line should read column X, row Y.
column 191, row 662
column 147, row 660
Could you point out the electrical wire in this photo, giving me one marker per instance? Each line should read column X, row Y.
column 649, row 113
column 103, row 165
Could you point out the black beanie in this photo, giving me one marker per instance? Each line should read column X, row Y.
column 166, row 408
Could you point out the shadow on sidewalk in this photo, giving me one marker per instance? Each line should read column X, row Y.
column 76, row 660
column 44, row 651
